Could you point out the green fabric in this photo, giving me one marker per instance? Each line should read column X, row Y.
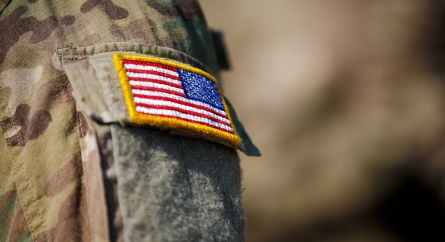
column 174, row 188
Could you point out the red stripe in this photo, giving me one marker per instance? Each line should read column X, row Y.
column 158, row 90
column 154, row 73
column 180, row 102
column 191, row 121
column 155, row 81
column 183, row 111
column 146, row 63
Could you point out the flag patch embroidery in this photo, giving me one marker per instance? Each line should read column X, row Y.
column 168, row 94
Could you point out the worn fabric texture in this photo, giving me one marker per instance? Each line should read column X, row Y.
column 59, row 179
column 177, row 188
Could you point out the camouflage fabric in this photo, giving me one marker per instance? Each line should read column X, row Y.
column 58, row 177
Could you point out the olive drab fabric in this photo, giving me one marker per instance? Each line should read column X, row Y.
column 66, row 173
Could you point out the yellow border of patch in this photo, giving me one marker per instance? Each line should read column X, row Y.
column 147, row 119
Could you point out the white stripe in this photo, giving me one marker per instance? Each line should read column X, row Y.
column 180, row 106
column 156, row 85
column 153, row 76
column 182, row 115
column 151, row 68
column 179, row 98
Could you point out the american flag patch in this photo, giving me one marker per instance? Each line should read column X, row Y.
column 168, row 94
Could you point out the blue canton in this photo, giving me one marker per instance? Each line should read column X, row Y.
column 200, row 88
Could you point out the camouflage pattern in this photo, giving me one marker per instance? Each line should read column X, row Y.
column 56, row 179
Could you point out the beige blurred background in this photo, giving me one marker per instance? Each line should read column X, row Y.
column 346, row 100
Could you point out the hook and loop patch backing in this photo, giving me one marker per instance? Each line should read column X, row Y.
column 168, row 94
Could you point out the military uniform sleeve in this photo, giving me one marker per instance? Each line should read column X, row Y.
column 114, row 125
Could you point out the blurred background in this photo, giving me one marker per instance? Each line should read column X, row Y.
column 346, row 100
